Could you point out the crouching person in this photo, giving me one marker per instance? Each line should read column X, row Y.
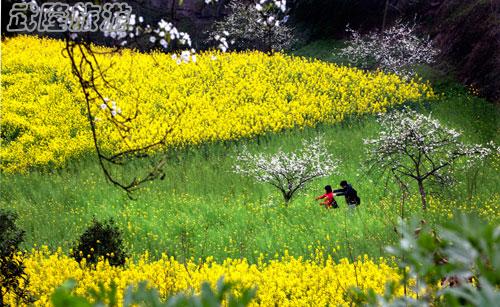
column 351, row 196
column 329, row 200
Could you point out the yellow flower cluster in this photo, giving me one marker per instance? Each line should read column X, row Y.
column 487, row 211
column 219, row 97
column 289, row 281
column 440, row 210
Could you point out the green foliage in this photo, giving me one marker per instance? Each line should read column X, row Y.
column 209, row 297
column 142, row 295
column 62, row 296
column 462, row 256
column 325, row 50
column 101, row 239
column 11, row 266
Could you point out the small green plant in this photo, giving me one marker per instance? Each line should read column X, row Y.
column 101, row 240
column 142, row 295
column 11, row 266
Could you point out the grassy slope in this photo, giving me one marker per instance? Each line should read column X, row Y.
column 202, row 209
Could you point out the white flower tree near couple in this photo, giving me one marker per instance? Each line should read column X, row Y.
column 288, row 172
column 418, row 147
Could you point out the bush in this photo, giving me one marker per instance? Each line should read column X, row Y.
column 11, row 266
column 101, row 239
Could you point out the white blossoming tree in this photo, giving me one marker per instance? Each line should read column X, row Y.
column 288, row 172
column 261, row 25
column 397, row 49
column 417, row 147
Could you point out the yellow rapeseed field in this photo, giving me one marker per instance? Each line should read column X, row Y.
column 289, row 281
column 218, row 97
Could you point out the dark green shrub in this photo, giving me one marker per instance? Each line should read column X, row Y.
column 11, row 266
column 101, row 239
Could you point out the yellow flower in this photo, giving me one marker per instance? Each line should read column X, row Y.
column 288, row 281
column 239, row 95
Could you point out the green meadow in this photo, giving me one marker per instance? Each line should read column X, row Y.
column 203, row 209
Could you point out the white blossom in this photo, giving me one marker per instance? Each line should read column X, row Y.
column 185, row 56
column 261, row 26
column 397, row 49
column 418, row 147
column 166, row 32
column 291, row 171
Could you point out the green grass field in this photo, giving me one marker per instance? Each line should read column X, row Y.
column 203, row 209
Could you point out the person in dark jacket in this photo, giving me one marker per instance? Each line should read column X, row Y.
column 351, row 196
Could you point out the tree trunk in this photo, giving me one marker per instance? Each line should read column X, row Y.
column 220, row 9
column 172, row 10
column 287, row 200
column 422, row 194
column 384, row 19
column 286, row 197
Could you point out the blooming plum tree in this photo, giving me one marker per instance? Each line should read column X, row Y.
column 397, row 49
column 260, row 26
column 416, row 146
column 288, row 172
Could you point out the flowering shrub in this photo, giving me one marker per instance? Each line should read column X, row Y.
column 219, row 97
column 397, row 49
column 288, row 172
column 260, row 26
column 289, row 281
